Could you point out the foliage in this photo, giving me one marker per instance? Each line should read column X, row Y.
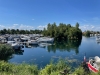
column 5, row 52
column 49, row 69
column 26, row 69
column 63, row 31
column 17, row 31
column 87, row 33
column 15, row 69
column 54, row 68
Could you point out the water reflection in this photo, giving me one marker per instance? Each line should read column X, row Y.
column 30, row 46
column 42, row 53
column 67, row 45
column 98, row 42
column 64, row 45
column 42, row 45
column 19, row 52
column 7, row 56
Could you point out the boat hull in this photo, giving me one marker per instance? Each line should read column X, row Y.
column 92, row 68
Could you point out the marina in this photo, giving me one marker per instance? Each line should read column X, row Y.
column 17, row 41
column 43, row 52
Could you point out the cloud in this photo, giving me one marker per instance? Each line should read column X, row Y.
column 41, row 27
column 2, row 26
column 90, row 27
column 25, row 27
column 17, row 26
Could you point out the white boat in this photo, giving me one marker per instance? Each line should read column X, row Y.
column 33, row 42
column 24, row 38
column 45, row 39
column 97, row 38
column 44, row 44
column 15, row 45
column 94, row 64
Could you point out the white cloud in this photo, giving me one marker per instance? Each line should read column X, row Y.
column 25, row 27
column 17, row 26
column 2, row 27
column 90, row 27
column 41, row 27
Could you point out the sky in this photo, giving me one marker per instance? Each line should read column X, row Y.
column 36, row 14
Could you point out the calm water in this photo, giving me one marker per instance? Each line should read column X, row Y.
column 41, row 55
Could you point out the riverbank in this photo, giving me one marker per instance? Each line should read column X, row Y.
column 50, row 69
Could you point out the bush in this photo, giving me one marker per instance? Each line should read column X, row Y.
column 5, row 52
column 54, row 68
column 15, row 69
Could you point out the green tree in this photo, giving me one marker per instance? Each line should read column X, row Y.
column 77, row 25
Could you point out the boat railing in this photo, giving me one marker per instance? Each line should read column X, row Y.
column 91, row 58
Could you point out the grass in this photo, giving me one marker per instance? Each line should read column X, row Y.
column 26, row 69
column 17, row 69
column 50, row 69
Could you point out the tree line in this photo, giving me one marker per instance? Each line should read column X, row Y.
column 17, row 31
column 88, row 32
column 63, row 31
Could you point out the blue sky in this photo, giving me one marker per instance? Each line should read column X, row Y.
column 36, row 14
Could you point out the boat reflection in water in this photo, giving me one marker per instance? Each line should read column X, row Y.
column 45, row 44
column 67, row 45
column 42, row 53
column 41, row 44
column 31, row 46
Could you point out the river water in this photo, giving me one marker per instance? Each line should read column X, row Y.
column 42, row 54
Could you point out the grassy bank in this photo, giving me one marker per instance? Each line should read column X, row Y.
column 26, row 69
column 50, row 69
column 21, row 69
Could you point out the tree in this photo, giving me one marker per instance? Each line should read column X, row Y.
column 87, row 33
column 63, row 31
column 77, row 25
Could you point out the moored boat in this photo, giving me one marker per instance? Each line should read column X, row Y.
column 15, row 45
column 33, row 42
column 45, row 39
column 94, row 64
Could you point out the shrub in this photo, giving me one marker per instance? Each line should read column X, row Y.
column 17, row 69
column 5, row 52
